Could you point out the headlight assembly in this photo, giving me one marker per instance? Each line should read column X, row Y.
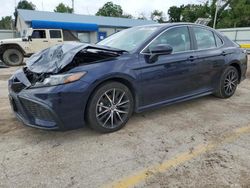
column 60, row 79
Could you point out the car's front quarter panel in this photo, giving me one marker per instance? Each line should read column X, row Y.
column 124, row 68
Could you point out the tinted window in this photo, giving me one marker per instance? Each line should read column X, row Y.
column 205, row 38
column 38, row 34
column 55, row 34
column 178, row 38
column 219, row 42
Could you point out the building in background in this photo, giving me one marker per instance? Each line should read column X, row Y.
column 87, row 28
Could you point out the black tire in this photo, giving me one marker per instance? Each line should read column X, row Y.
column 228, row 83
column 12, row 57
column 103, row 103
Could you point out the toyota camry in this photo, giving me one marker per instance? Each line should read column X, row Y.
column 70, row 85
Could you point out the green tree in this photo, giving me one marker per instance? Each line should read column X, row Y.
column 110, row 9
column 231, row 13
column 157, row 16
column 222, row 11
column 192, row 12
column 175, row 13
column 240, row 13
column 63, row 8
column 6, row 22
column 24, row 4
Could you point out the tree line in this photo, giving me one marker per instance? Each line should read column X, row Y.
column 231, row 13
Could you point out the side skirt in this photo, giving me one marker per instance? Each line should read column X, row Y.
column 173, row 101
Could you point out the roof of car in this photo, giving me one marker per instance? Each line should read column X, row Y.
column 173, row 24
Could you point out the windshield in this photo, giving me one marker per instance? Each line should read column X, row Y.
column 129, row 39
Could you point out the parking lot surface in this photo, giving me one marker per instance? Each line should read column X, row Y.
column 200, row 143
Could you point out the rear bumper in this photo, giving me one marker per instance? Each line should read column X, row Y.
column 51, row 108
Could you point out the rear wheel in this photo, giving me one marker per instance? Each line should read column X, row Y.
column 110, row 107
column 12, row 57
column 228, row 83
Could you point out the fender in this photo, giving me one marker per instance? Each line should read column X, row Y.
column 3, row 47
column 125, row 79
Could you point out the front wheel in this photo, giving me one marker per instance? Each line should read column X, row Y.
column 110, row 107
column 12, row 57
column 228, row 83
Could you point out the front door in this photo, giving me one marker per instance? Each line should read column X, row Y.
column 39, row 40
column 171, row 76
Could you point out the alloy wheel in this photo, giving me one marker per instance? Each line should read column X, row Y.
column 112, row 108
column 231, row 81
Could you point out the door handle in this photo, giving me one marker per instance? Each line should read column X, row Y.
column 223, row 53
column 45, row 41
column 191, row 58
column 59, row 41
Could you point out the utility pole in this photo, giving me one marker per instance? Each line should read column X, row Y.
column 73, row 6
column 216, row 13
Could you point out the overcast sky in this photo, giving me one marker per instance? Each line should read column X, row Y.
column 134, row 7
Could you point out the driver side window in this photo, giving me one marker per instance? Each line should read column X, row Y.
column 38, row 34
column 178, row 38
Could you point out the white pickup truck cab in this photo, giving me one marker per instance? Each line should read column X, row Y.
column 12, row 51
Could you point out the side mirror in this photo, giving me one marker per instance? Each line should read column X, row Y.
column 29, row 38
column 160, row 49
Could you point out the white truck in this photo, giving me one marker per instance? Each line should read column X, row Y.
column 12, row 51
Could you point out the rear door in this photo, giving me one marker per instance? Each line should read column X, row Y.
column 210, row 57
column 55, row 37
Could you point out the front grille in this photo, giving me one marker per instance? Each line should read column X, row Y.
column 36, row 110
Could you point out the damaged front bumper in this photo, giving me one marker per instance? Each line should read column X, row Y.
column 53, row 108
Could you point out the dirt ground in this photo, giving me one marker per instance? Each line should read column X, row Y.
column 83, row 158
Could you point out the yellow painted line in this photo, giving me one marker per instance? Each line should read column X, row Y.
column 245, row 45
column 141, row 176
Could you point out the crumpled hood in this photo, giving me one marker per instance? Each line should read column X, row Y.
column 54, row 59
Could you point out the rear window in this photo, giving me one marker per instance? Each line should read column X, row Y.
column 205, row 38
column 55, row 34
column 218, row 40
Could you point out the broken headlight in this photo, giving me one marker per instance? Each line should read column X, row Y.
column 60, row 79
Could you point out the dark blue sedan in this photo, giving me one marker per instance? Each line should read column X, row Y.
column 66, row 86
